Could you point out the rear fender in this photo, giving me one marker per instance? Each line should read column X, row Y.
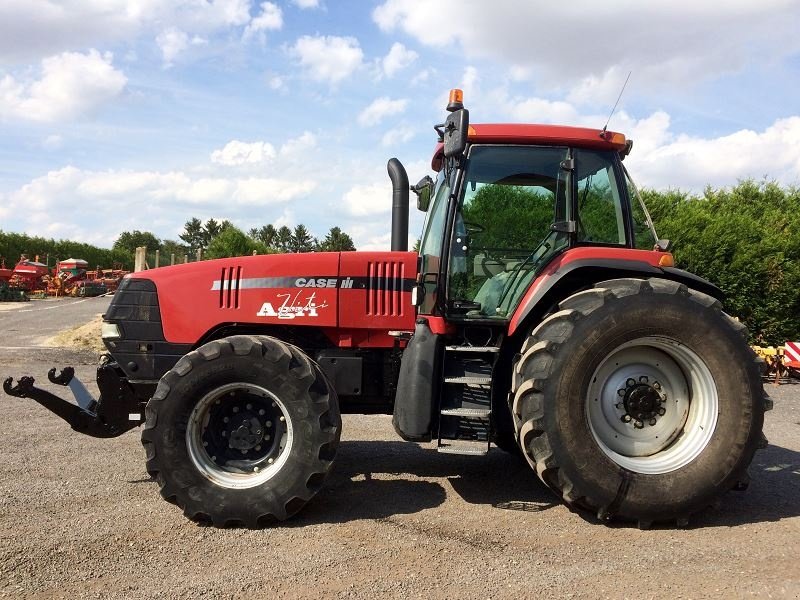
column 548, row 290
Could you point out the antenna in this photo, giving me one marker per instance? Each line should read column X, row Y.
column 615, row 104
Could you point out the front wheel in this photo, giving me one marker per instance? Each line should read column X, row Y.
column 639, row 399
column 242, row 431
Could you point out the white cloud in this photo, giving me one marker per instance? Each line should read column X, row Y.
column 71, row 85
column 269, row 19
column 368, row 200
column 277, row 83
column 53, row 142
column 32, row 29
column 297, row 147
column 172, row 42
column 239, row 153
column 398, row 135
column 398, row 58
column 672, row 40
column 304, row 4
column 329, row 59
column 101, row 196
column 380, row 109
column 692, row 162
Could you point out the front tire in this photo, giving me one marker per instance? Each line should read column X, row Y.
column 639, row 399
column 242, row 431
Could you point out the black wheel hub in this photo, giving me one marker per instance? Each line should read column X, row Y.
column 642, row 401
column 244, row 431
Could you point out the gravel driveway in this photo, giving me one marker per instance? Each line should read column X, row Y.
column 79, row 518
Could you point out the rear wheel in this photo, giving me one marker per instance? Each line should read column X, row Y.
column 242, row 431
column 639, row 399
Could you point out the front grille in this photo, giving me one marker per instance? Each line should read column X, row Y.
column 385, row 288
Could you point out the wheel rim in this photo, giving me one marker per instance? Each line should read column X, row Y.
column 239, row 435
column 652, row 405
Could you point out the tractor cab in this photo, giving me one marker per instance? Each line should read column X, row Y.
column 518, row 218
column 512, row 201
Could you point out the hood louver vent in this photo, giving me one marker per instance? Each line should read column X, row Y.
column 385, row 288
column 230, row 281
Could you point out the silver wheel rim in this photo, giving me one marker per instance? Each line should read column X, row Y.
column 239, row 435
column 664, row 381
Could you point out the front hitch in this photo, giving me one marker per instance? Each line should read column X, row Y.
column 115, row 412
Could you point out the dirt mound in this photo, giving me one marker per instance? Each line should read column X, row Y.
column 83, row 336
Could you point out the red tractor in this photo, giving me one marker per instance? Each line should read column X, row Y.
column 528, row 320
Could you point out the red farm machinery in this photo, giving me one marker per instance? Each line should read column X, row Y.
column 541, row 315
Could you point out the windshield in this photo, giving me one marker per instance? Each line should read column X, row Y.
column 503, row 231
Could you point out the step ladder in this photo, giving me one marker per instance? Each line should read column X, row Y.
column 465, row 409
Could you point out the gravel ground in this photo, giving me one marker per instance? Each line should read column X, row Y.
column 79, row 518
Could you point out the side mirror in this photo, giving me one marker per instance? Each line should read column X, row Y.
column 424, row 191
column 455, row 133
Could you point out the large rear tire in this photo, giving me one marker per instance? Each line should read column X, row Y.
column 242, row 431
column 639, row 399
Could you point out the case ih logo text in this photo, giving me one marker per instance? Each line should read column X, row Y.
column 323, row 282
column 293, row 306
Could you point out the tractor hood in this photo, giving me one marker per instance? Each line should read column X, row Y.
column 321, row 289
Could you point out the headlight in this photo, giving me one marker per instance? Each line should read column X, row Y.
column 110, row 331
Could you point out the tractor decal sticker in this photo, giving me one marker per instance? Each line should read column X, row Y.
column 293, row 306
column 317, row 281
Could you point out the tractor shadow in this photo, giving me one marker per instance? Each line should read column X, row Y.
column 376, row 480
column 773, row 494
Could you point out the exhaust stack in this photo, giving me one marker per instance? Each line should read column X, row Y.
column 397, row 173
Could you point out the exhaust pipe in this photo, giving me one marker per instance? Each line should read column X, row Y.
column 397, row 173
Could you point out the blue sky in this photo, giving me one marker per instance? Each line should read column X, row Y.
column 140, row 114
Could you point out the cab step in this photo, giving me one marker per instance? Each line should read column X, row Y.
column 469, row 380
column 487, row 349
column 472, row 413
column 471, row 448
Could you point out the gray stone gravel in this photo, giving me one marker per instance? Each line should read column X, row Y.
column 79, row 518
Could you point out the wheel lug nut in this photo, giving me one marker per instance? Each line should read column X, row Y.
column 267, row 438
column 619, row 405
column 261, row 412
column 656, row 385
column 620, row 392
column 271, row 460
column 269, row 423
column 652, row 422
column 249, row 407
column 638, row 424
column 257, row 448
column 630, row 382
column 282, row 418
column 225, row 419
column 661, row 411
column 643, row 379
column 205, row 444
column 256, row 469
column 235, row 409
column 626, row 418
column 224, row 434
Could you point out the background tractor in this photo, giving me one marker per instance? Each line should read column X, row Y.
column 541, row 315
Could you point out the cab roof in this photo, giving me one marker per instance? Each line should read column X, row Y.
column 538, row 134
